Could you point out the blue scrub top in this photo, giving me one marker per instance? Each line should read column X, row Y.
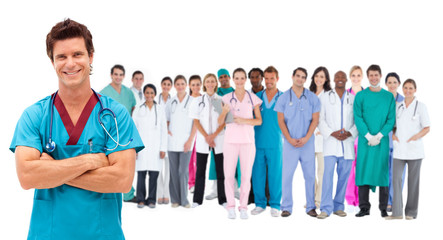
column 268, row 134
column 398, row 99
column 67, row 212
column 298, row 116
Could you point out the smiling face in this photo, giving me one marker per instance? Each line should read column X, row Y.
column 210, row 85
column 409, row 90
column 271, row 80
column 149, row 95
column 72, row 63
column 166, row 86
column 117, row 76
column 374, row 77
column 356, row 77
column 340, row 79
column 392, row 84
column 256, row 79
column 320, row 79
column 180, row 86
column 195, row 86
column 239, row 80
column 224, row 81
column 138, row 80
column 299, row 79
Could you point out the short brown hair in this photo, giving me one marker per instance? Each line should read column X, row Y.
column 65, row 30
column 271, row 69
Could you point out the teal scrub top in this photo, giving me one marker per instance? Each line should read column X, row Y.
column 222, row 91
column 268, row 134
column 67, row 212
column 126, row 96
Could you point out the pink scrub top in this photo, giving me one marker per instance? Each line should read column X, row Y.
column 241, row 133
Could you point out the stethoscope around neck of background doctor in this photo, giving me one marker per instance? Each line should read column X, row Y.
column 174, row 104
column 51, row 145
column 402, row 108
column 332, row 94
column 301, row 97
column 155, row 109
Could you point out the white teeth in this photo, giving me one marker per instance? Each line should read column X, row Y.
column 71, row 73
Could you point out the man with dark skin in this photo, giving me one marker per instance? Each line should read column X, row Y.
column 256, row 78
column 336, row 113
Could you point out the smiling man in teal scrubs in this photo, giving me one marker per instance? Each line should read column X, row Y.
column 63, row 151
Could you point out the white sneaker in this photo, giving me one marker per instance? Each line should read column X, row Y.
column 237, row 195
column 231, row 213
column 275, row 212
column 211, row 196
column 244, row 214
column 257, row 211
column 194, row 205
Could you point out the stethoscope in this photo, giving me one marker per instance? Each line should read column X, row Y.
column 263, row 100
column 50, row 145
column 301, row 97
column 402, row 106
column 160, row 98
column 173, row 107
column 332, row 94
column 155, row 109
column 236, row 101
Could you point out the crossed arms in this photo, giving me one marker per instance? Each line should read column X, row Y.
column 94, row 172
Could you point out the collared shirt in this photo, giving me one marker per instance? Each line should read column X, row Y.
column 336, row 114
column 202, row 109
column 180, row 124
column 410, row 121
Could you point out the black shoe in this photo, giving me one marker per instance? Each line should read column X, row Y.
column 384, row 213
column 363, row 212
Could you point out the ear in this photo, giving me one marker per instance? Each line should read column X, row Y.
column 91, row 57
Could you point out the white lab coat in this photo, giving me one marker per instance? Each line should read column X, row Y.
column 200, row 110
column 408, row 127
column 138, row 101
column 180, row 124
column 154, row 136
column 319, row 137
column 331, row 120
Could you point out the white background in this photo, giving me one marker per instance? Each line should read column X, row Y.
column 197, row 37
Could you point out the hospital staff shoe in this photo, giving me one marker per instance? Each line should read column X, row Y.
column 160, row 201
column 211, row 196
column 340, row 213
column 187, row 206
column 389, row 208
column 393, row 217
column 275, row 212
column 244, row 214
column 363, row 212
column 194, row 205
column 141, row 205
column 384, row 213
column 312, row 213
column 285, row 214
column 165, row 200
column 322, row 215
column 409, row 218
column 257, row 210
column 151, row 205
column 231, row 213
column 175, row 205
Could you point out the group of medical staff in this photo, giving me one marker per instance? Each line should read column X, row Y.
column 255, row 139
